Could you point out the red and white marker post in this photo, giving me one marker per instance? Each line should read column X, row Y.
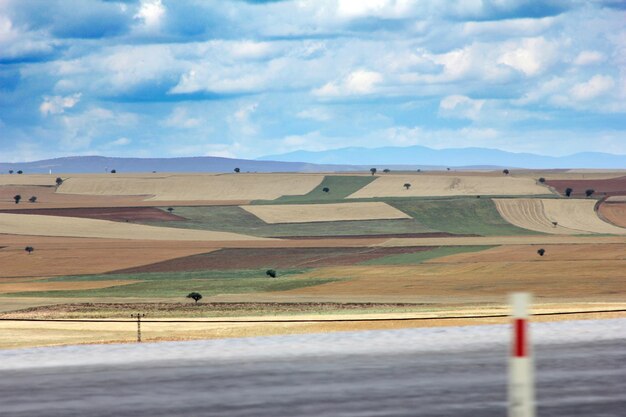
column 521, row 375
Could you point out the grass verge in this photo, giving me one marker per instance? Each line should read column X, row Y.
column 419, row 257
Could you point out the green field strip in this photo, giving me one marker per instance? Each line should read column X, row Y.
column 339, row 187
column 477, row 216
column 421, row 256
column 237, row 220
column 179, row 284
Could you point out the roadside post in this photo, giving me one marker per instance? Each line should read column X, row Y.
column 521, row 375
column 138, row 316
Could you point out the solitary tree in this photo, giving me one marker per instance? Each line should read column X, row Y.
column 113, row 171
column 589, row 192
column 419, row 170
column 237, row 170
column 10, row 171
column 170, row 209
column 555, row 224
column 505, row 171
column 541, row 251
column 373, row 170
column 448, row 169
column 542, row 180
column 59, row 181
column 407, row 185
column 568, row 192
column 17, row 198
column 20, row 172
column 270, row 273
column 326, row 189
column 386, row 170
column 195, row 296
column 33, row 199
column 29, row 249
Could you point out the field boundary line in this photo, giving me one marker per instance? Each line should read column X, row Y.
column 487, row 316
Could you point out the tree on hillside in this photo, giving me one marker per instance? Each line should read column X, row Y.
column 419, row 170
column 237, row 170
column 17, row 198
column 195, row 296
column 448, row 169
column 541, row 251
column 270, row 273
column 386, row 170
column 542, row 180
column 505, row 171
column 555, row 224
column 407, row 185
column 10, row 171
column 373, row 170
column 568, row 192
column 33, row 199
column 589, row 192
column 326, row 189
column 170, row 209
column 59, row 181
column 113, row 171
column 29, row 249
column 20, row 172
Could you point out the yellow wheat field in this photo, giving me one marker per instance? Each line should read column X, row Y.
column 571, row 216
column 194, row 187
column 37, row 225
column 447, row 185
column 304, row 213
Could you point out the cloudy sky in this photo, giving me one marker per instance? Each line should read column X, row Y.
column 250, row 78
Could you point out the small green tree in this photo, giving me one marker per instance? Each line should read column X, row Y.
column 326, row 189
column 506, row 171
column 10, row 171
column 113, row 171
column 20, row 172
column 237, row 170
column 386, row 170
column 33, row 199
column 29, row 249
column 373, row 170
column 270, row 273
column 17, row 198
column 195, row 296
column 407, row 185
column 541, row 251
column 589, row 192
column 59, row 181
column 170, row 209
column 568, row 192
column 542, row 180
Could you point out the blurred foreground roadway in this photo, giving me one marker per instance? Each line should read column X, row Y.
column 584, row 378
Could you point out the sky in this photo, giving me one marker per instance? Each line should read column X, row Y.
column 159, row 78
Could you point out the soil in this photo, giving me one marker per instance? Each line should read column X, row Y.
column 271, row 257
column 611, row 186
column 121, row 214
column 614, row 213
column 379, row 236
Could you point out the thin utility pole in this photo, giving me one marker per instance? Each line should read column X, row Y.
column 138, row 316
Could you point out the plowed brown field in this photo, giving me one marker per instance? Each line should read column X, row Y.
column 122, row 214
column 614, row 213
column 272, row 257
column 7, row 288
column 611, row 186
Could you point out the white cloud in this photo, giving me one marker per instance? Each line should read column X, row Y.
column 151, row 13
column 373, row 8
column 240, row 121
column 17, row 42
column 589, row 58
column 120, row 142
column 596, row 86
column 315, row 113
column 360, row 82
column 179, row 118
column 531, row 56
column 58, row 104
column 460, row 106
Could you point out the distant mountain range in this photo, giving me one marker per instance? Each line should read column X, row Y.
column 345, row 159
column 459, row 157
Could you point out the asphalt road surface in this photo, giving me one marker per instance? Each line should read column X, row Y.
column 582, row 377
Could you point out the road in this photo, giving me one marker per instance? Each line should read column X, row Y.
column 581, row 377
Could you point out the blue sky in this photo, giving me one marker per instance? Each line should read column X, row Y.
column 159, row 78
